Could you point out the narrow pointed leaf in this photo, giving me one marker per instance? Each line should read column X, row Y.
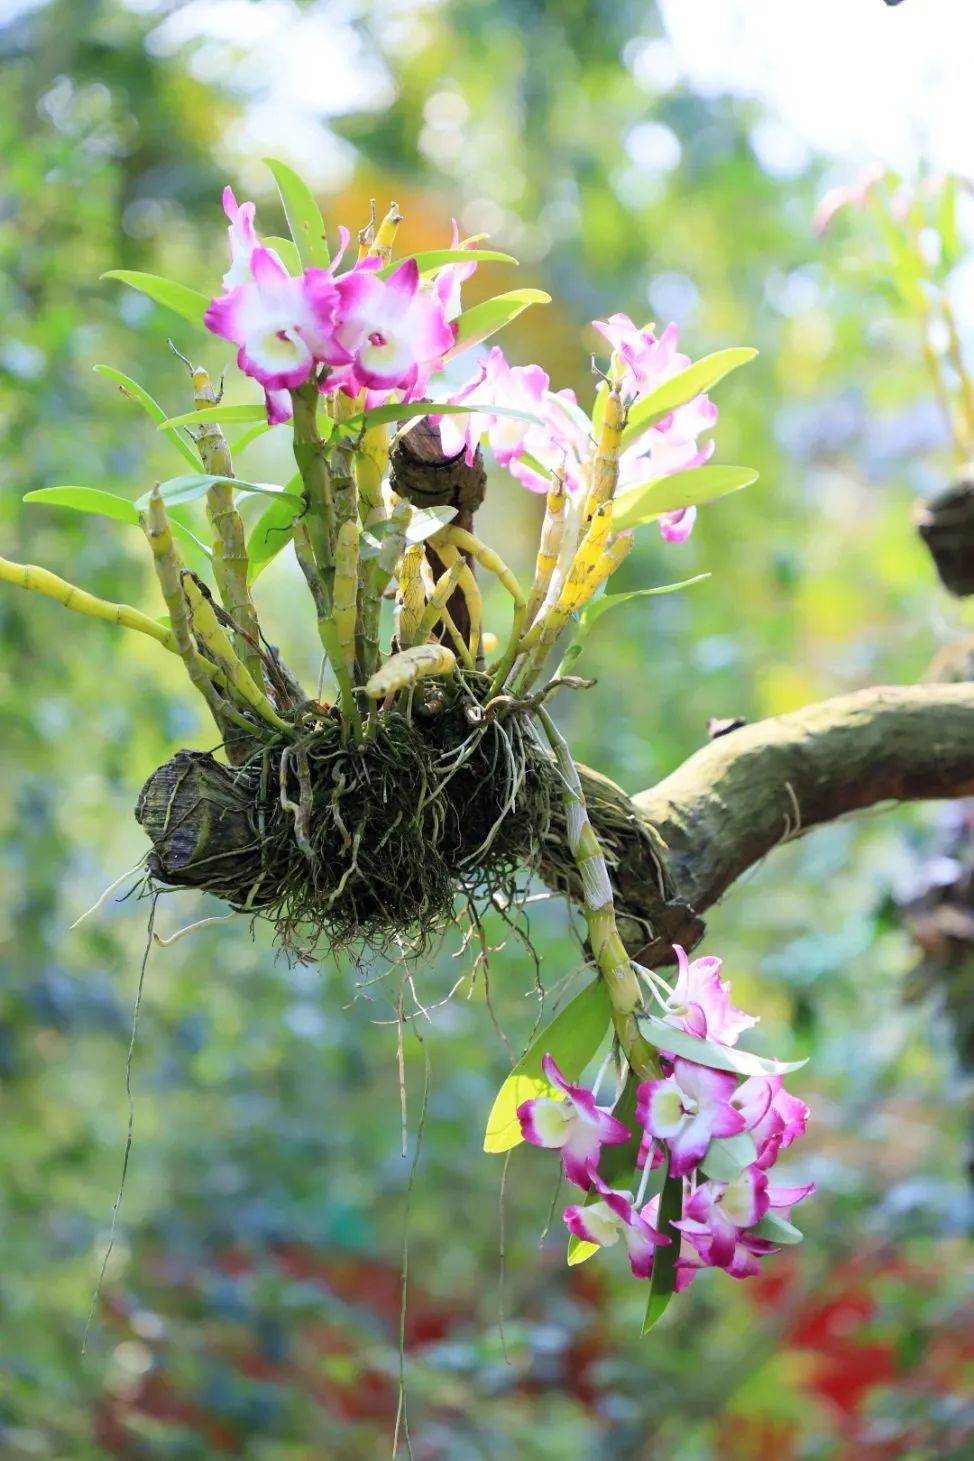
column 430, row 260
column 140, row 395
column 303, row 215
column 241, row 442
column 287, row 252
column 88, row 499
column 271, row 532
column 727, row 1156
column 777, row 1230
column 663, row 1280
column 407, row 410
column 594, row 610
column 222, row 414
column 708, row 1052
column 699, row 377
column 572, row 1038
column 109, row 504
column 189, row 303
column 648, row 501
column 483, row 320
column 189, row 489
column 422, row 525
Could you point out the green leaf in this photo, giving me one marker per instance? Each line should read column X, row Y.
column 287, row 253
column 88, row 499
column 221, row 414
column 422, row 525
column 777, row 1230
column 303, row 215
column 572, row 1038
column 241, row 442
column 663, row 1281
column 536, row 466
column 648, row 501
column 727, row 1156
column 594, row 610
column 430, row 260
column 707, row 1052
column 137, row 393
column 406, row 410
column 188, row 489
column 483, row 320
column 701, row 376
column 198, row 554
column 108, row 504
column 271, row 532
column 189, row 303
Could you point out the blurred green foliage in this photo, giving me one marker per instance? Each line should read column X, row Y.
column 251, row 1304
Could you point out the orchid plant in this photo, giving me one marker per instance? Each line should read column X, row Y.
column 346, row 351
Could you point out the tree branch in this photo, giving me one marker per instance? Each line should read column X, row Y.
column 679, row 845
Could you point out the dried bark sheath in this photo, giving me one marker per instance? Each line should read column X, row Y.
column 423, row 474
column 737, row 798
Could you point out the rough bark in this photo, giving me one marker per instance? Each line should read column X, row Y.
column 680, row 844
column 424, row 474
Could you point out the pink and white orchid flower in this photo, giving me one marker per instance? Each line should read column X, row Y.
column 613, row 1217
column 772, row 1115
column 243, row 240
column 575, row 1126
column 687, row 1110
column 515, row 388
column 449, row 279
column 388, row 334
column 280, row 324
column 641, row 360
column 716, row 1213
column 700, row 1001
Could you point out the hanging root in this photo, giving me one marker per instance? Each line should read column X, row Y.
column 359, row 840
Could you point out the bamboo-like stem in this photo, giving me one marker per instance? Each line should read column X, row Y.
column 614, row 964
column 605, row 464
column 217, row 643
column 491, row 562
column 549, row 546
column 411, row 598
column 38, row 580
column 327, row 632
column 230, row 561
column 169, row 569
column 376, row 575
column 468, row 586
column 310, row 454
column 346, row 593
column 385, row 236
column 439, row 599
column 371, row 464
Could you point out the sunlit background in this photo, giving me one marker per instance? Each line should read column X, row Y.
column 665, row 160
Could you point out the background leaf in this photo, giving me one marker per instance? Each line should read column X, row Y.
column 647, row 502
column 188, row 303
column 695, row 380
column 140, row 395
column 572, row 1038
column 483, row 320
column 303, row 215
column 708, row 1052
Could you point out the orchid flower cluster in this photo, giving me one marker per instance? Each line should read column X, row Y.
column 701, row 1127
column 347, row 350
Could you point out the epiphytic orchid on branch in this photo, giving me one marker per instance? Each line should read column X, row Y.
column 437, row 771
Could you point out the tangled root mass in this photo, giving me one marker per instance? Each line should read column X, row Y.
column 354, row 842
